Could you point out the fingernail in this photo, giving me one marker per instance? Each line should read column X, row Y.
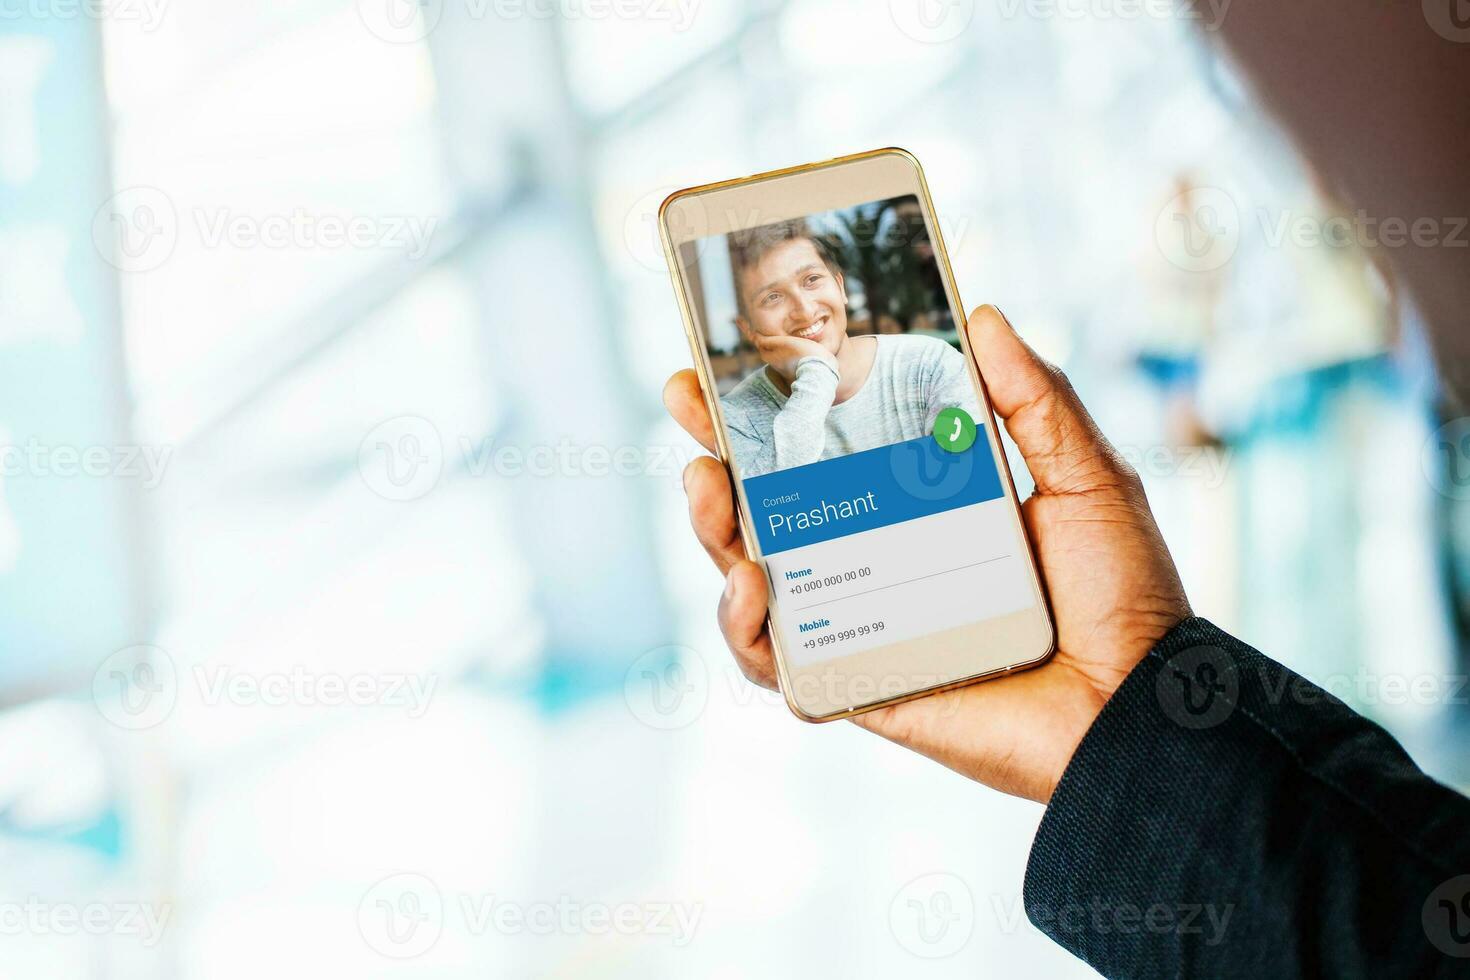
column 686, row 479
column 1004, row 319
column 730, row 585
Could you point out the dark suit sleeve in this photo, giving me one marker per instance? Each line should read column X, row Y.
column 1224, row 817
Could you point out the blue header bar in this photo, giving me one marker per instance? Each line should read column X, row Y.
column 871, row 489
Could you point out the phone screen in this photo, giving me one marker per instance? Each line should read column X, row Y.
column 856, row 434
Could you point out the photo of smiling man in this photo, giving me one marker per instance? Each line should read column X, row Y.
column 820, row 391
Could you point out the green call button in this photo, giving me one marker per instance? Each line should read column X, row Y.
column 954, row 430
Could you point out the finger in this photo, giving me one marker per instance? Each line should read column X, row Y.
column 743, row 621
column 712, row 511
column 1064, row 450
column 685, row 402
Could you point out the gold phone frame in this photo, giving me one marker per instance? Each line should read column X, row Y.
column 1016, row 628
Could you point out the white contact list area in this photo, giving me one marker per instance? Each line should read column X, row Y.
column 899, row 582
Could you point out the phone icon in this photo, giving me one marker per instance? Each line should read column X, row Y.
column 954, row 430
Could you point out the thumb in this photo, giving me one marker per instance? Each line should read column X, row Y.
column 1063, row 448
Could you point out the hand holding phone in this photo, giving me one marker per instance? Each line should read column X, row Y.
column 871, row 489
column 1113, row 587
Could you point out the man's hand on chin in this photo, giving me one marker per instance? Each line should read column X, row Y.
column 783, row 351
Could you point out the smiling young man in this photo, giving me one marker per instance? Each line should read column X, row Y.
column 821, row 393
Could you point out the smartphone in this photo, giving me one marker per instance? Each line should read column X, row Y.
column 869, row 480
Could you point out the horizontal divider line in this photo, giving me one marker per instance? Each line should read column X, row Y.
column 920, row 578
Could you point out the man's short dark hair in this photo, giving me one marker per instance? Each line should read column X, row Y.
column 748, row 246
